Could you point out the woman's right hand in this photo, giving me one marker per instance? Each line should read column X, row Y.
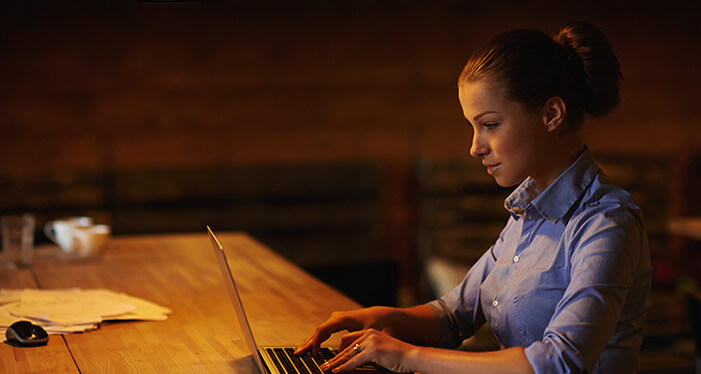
column 355, row 320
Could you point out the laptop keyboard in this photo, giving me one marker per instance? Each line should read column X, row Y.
column 286, row 361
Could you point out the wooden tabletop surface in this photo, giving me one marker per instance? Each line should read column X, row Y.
column 283, row 304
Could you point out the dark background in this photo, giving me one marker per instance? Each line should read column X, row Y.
column 120, row 84
column 307, row 119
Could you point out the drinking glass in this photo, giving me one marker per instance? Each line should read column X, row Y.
column 17, row 240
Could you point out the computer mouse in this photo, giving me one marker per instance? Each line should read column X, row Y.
column 26, row 334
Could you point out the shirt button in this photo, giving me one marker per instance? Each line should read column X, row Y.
column 495, row 302
column 516, row 258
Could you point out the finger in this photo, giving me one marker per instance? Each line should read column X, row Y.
column 304, row 347
column 338, row 323
column 349, row 339
column 335, row 323
column 314, row 341
column 341, row 358
column 353, row 363
column 353, row 358
column 353, row 339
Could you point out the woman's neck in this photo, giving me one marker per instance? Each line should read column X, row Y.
column 557, row 158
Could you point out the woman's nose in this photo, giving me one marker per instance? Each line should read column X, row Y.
column 478, row 148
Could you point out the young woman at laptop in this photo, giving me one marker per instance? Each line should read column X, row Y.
column 566, row 286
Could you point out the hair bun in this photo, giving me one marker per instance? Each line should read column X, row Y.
column 588, row 46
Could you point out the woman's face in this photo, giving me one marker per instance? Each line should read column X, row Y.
column 511, row 141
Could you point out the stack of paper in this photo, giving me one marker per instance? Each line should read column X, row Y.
column 74, row 310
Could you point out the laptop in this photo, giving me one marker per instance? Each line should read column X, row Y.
column 273, row 360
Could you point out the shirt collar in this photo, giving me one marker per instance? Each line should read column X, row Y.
column 554, row 203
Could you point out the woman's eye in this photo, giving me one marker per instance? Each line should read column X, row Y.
column 490, row 125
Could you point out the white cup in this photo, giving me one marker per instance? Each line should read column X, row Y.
column 61, row 231
column 90, row 241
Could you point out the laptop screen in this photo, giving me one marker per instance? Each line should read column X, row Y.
column 238, row 306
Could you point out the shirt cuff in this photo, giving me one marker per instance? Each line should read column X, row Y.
column 450, row 334
column 547, row 357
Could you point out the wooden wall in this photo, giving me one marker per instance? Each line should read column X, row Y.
column 123, row 84
column 114, row 85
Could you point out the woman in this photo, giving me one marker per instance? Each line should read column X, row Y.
column 566, row 286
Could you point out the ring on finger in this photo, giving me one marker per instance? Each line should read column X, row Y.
column 356, row 349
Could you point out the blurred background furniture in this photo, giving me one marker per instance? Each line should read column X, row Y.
column 688, row 227
column 694, row 304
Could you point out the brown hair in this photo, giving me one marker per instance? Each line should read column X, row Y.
column 577, row 65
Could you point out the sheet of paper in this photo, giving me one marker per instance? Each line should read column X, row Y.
column 74, row 310
column 68, row 308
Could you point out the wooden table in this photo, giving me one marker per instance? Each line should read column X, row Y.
column 179, row 272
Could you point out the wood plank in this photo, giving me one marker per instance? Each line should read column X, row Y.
column 51, row 358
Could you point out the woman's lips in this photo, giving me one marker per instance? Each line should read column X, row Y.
column 491, row 168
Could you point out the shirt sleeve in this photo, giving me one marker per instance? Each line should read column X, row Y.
column 459, row 310
column 606, row 250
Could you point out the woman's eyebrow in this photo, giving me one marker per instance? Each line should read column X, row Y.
column 483, row 113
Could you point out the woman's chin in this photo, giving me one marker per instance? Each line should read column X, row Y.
column 507, row 182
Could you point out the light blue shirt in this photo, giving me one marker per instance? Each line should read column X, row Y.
column 568, row 278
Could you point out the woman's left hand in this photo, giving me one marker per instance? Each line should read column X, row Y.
column 369, row 346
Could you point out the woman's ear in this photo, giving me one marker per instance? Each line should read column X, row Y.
column 554, row 112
